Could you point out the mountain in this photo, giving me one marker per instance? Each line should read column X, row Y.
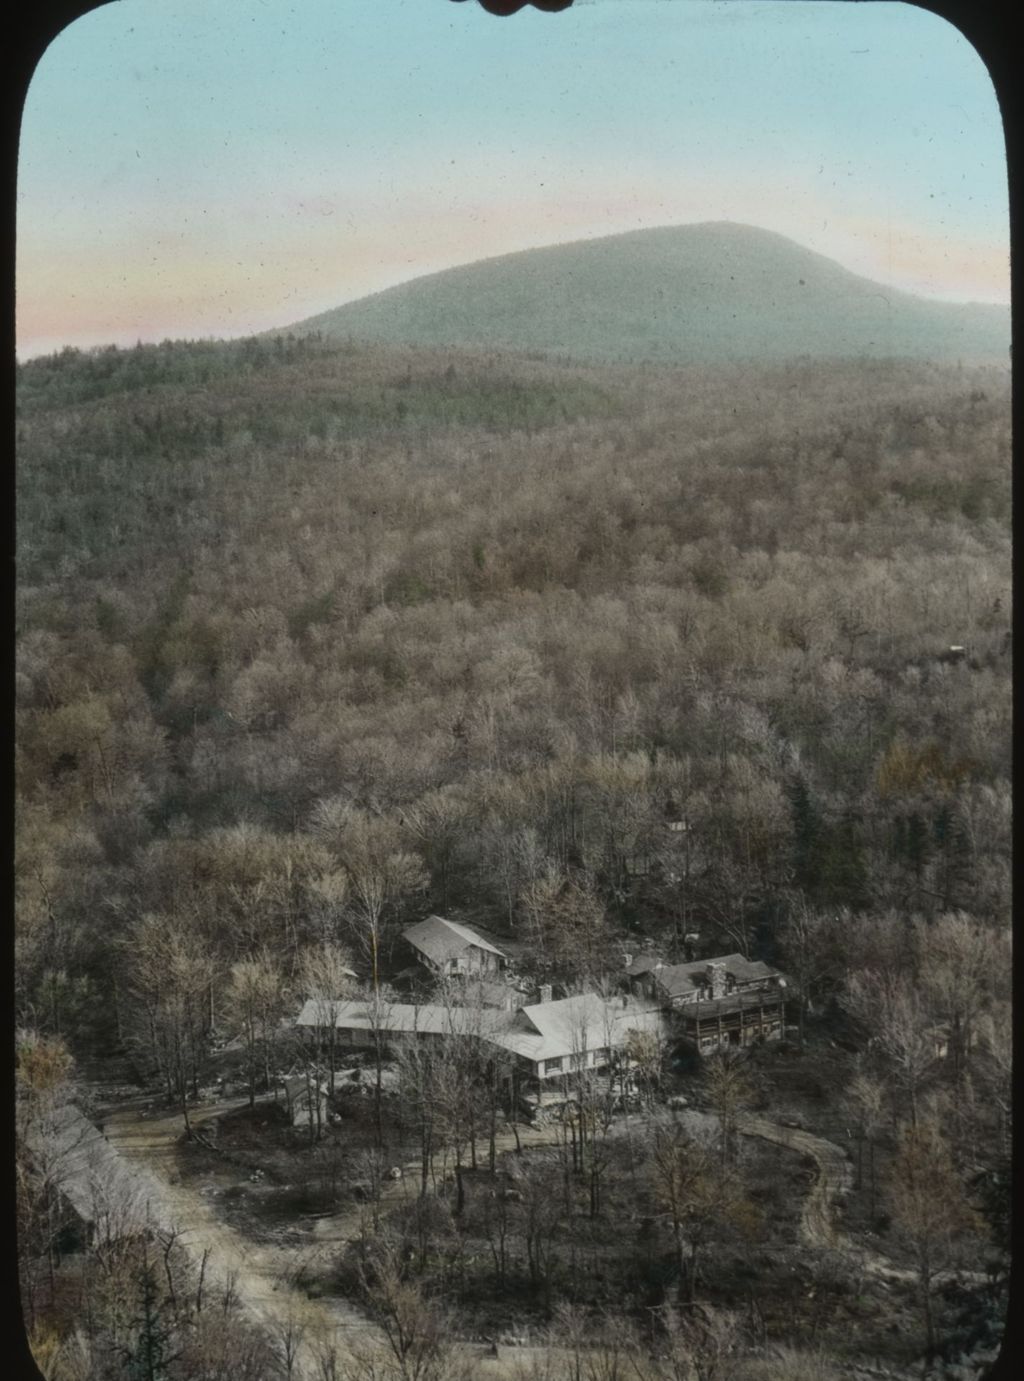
column 689, row 294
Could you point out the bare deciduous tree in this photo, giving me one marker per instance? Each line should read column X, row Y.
column 961, row 962
column 866, row 1098
column 729, row 1091
column 381, row 871
column 700, row 1195
column 255, row 999
column 418, row 1335
column 929, row 1207
column 168, row 971
column 898, row 1024
column 324, row 976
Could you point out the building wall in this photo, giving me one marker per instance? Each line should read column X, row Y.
column 475, row 961
column 685, row 999
column 707, row 1037
column 573, row 1063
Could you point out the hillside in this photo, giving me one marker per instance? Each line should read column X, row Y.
column 316, row 639
column 686, row 294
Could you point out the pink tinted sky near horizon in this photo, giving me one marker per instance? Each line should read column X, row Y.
column 197, row 170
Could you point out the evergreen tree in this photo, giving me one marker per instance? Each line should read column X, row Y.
column 150, row 1357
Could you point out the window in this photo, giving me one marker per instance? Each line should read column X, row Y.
column 553, row 1066
column 602, row 1056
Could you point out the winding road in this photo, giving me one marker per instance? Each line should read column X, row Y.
column 267, row 1278
column 834, row 1177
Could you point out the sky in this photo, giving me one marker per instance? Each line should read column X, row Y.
column 194, row 169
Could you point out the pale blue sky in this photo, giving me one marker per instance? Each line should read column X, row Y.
column 197, row 168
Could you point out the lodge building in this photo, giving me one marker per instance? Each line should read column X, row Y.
column 714, row 1003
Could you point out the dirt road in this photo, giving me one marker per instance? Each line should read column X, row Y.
column 834, row 1176
column 266, row 1277
column 262, row 1278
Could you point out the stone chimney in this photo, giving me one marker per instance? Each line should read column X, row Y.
column 715, row 979
column 544, row 993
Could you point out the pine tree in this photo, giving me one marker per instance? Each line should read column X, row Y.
column 149, row 1359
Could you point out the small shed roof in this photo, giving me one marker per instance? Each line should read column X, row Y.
column 296, row 1086
column 642, row 963
column 441, row 940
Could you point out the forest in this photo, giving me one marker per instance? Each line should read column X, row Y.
column 315, row 639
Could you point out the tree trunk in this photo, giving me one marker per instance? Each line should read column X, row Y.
column 378, row 1119
column 425, row 1131
column 567, row 1182
column 493, row 1130
column 926, row 1301
column 251, row 1041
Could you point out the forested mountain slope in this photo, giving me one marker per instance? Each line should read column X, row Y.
column 510, row 610
column 689, row 294
column 313, row 640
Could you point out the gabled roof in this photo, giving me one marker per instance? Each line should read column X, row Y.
column 552, row 1030
column 440, row 939
column 542, row 1031
column 94, row 1178
column 744, row 970
column 676, row 980
column 405, row 1017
